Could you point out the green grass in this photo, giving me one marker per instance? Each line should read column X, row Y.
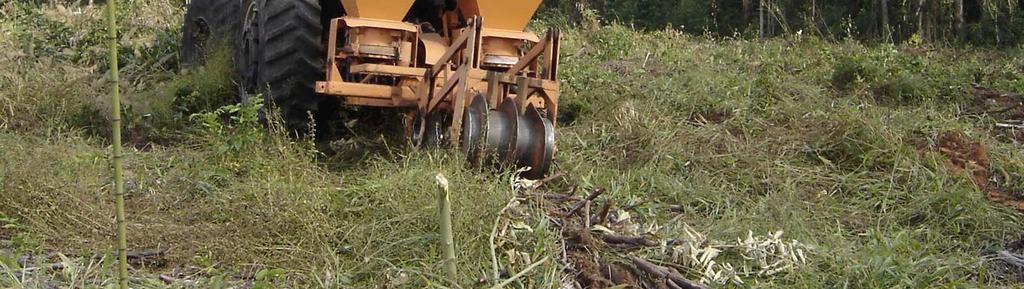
column 819, row 140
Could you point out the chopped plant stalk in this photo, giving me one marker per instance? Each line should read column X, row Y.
column 444, row 220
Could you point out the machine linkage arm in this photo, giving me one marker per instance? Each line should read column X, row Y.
column 547, row 46
column 429, row 99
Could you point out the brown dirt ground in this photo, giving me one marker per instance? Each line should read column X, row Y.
column 7, row 234
column 622, row 274
column 1000, row 105
column 989, row 100
column 581, row 247
column 972, row 157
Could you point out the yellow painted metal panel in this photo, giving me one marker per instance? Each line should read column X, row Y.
column 510, row 34
column 378, row 9
column 434, row 46
column 501, row 14
column 379, row 23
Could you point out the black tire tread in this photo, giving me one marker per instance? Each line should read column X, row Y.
column 291, row 57
column 223, row 17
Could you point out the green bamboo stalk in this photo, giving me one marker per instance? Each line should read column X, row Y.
column 118, row 155
column 444, row 218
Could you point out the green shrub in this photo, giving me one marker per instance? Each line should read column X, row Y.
column 901, row 89
column 852, row 70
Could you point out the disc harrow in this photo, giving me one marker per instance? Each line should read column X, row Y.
column 466, row 73
column 514, row 126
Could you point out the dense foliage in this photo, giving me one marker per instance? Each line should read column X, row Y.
column 979, row 22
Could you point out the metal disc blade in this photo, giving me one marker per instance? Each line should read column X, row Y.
column 502, row 126
column 550, row 147
column 536, row 145
column 474, row 128
column 434, row 129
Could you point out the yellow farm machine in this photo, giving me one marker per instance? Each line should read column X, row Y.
column 465, row 73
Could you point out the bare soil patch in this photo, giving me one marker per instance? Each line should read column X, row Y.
column 1006, row 107
column 6, row 234
column 972, row 157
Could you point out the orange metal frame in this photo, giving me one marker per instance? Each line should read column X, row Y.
column 450, row 81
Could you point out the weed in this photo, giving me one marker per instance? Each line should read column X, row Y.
column 818, row 140
column 232, row 128
column 850, row 70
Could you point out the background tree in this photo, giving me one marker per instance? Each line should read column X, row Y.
column 977, row 22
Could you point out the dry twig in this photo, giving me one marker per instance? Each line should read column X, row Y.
column 496, row 274
column 550, row 178
column 627, row 240
column 602, row 215
column 1011, row 258
column 664, row 273
column 520, row 274
column 593, row 195
column 1010, row 125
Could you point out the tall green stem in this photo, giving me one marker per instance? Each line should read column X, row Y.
column 444, row 219
column 118, row 155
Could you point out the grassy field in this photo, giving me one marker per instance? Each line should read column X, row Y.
column 880, row 163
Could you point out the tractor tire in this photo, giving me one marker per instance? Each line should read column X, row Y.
column 282, row 57
column 208, row 25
